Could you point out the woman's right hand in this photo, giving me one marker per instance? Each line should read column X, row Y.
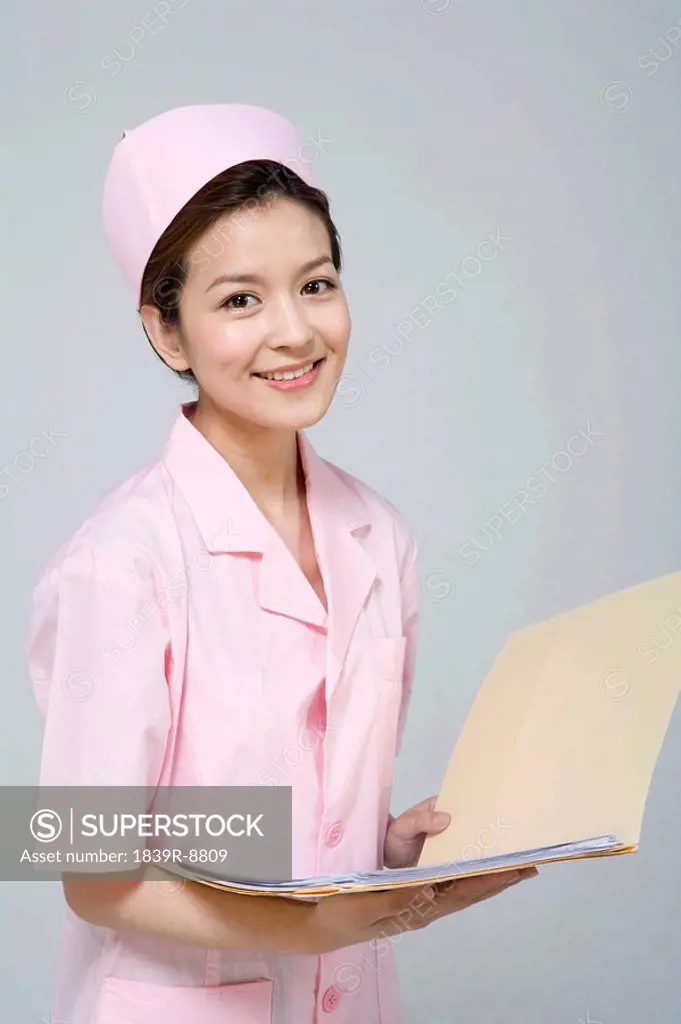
column 348, row 919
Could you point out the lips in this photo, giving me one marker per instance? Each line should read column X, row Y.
column 294, row 380
column 292, row 373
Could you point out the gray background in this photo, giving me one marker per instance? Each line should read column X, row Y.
column 448, row 121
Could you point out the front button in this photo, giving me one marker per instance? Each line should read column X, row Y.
column 330, row 999
column 334, row 834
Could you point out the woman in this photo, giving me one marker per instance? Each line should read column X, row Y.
column 237, row 599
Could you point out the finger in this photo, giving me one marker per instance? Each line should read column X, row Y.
column 490, row 894
column 435, row 821
column 453, row 901
column 445, row 908
column 462, row 882
column 414, row 910
column 489, row 886
column 425, row 805
column 422, row 909
column 415, row 823
column 458, row 890
column 416, row 907
column 472, row 885
column 379, row 906
column 410, row 906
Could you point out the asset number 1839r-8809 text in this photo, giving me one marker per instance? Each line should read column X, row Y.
column 173, row 856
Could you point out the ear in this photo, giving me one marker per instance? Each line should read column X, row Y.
column 165, row 338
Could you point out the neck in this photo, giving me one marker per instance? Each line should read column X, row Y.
column 265, row 459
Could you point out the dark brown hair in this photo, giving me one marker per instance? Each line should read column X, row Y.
column 248, row 185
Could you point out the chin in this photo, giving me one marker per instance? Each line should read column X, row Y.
column 301, row 418
column 304, row 419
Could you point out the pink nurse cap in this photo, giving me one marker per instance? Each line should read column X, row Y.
column 157, row 167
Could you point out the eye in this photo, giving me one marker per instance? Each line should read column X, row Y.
column 228, row 303
column 318, row 281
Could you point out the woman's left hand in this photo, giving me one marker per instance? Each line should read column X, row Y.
column 406, row 835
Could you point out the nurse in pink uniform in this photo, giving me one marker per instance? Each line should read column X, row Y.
column 243, row 611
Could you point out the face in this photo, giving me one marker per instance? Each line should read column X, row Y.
column 262, row 298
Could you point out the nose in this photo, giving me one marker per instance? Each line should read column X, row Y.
column 291, row 326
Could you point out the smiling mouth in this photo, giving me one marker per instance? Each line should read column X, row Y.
column 291, row 374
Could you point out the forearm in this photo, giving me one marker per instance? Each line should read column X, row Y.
column 193, row 914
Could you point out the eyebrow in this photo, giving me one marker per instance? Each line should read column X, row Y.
column 244, row 277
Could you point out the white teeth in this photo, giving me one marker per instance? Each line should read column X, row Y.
column 290, row 375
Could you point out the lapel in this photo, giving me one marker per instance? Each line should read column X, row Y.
column 339, row 519
column 231, row 523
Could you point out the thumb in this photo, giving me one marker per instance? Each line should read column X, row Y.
column 438, row 819
column 435, row 821
column 420, row 821
column 430, row 819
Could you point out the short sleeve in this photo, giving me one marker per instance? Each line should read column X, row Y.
column 410, row 590
column 97, row 665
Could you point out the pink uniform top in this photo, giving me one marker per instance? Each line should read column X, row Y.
column 174, row 640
